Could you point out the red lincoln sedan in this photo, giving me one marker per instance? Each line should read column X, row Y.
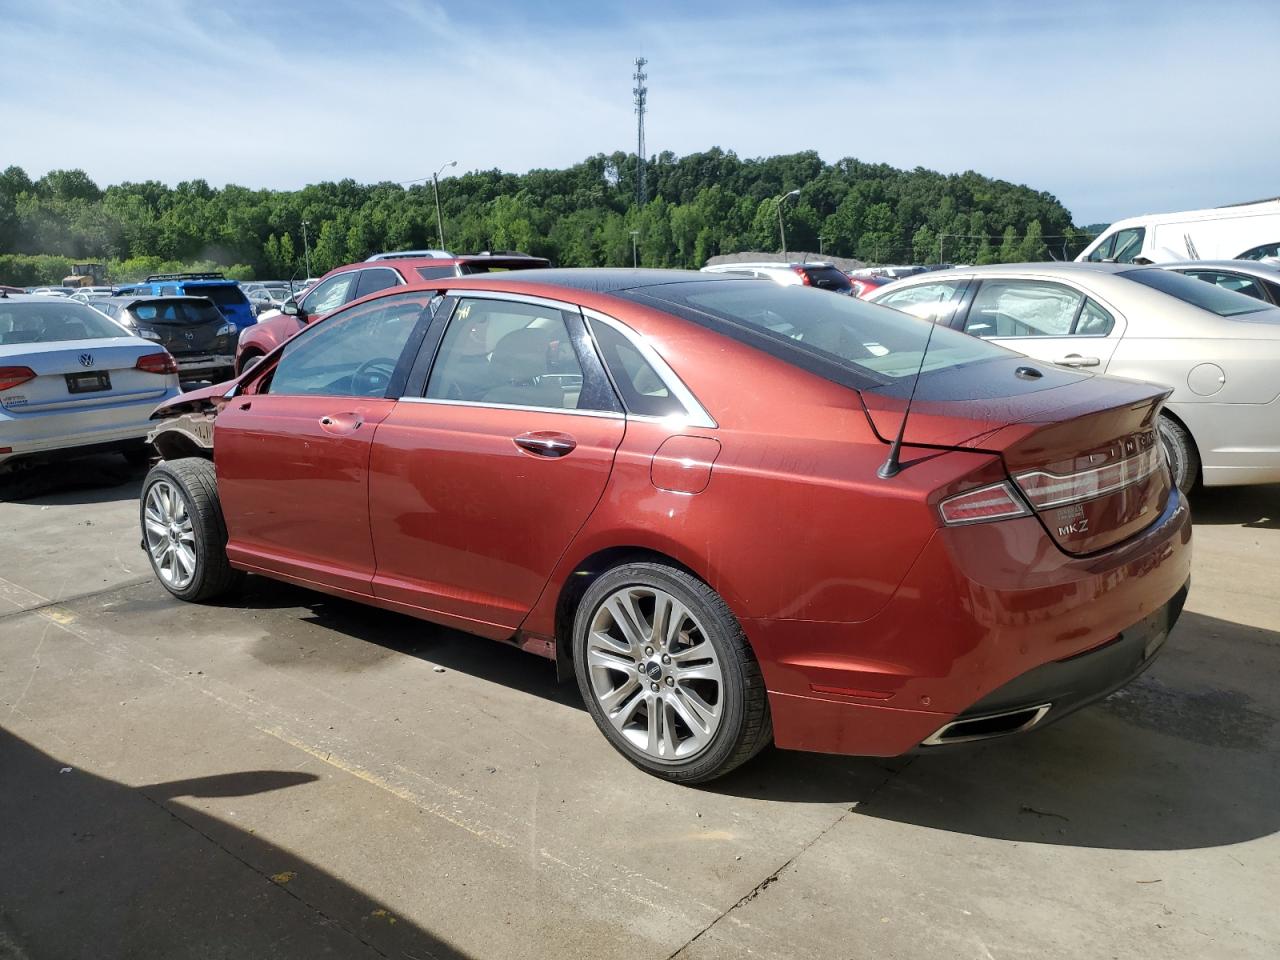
column 683, row 489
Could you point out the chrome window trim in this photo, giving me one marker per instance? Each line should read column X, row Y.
column 603, row 414
column 464, row 294
column 695, row 414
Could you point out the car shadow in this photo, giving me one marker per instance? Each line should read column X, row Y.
column 102, row 478
column 1257, row 507
column 1184, row 757
column 94, row 867
column 391, row 634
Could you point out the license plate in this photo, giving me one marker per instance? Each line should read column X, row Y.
column 88, row 382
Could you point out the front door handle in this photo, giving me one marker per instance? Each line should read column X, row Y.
column 546, row 443
column 341, row 423
column 1075, row 360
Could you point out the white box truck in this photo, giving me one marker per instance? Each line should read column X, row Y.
column 1241, row 231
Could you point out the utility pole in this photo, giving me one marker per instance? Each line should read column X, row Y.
column 306, row 247
column 641, row 93
column 635, row 257
column 941, row 237
column 821, row 244
column 435, row 183
column 782, row 231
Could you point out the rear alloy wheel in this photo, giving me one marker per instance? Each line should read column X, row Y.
column 1180, row 449
column 183, row 530
column 667, row 674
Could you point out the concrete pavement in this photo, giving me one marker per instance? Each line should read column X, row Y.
column 293, row 775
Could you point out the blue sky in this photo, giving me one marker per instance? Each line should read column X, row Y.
column 1116, row 108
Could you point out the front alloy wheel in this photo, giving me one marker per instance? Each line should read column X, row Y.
column 171, row 537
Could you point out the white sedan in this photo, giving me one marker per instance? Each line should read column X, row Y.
column 1218, row 350
column 72, row 381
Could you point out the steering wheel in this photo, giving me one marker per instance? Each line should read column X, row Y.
column 376, row 373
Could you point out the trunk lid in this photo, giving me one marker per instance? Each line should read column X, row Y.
column 1082, row 450
column 57, row 364
column 184, row 326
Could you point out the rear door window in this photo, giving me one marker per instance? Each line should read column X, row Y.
column 929, row 301
column 1023, row 308
column 371, row 281
column 509, row 353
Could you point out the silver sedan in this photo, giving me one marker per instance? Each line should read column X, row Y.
column 1218, row 350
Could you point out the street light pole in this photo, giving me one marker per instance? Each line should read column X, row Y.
column 435, row 183
column 635, row 257
column 306, row 247
column 821, row 244
column 782, row 231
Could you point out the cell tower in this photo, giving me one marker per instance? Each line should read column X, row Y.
column 641, row 92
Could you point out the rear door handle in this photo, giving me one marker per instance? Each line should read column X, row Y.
column 546, row 443
column 1075, row 360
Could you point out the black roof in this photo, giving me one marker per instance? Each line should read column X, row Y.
column 614, row 279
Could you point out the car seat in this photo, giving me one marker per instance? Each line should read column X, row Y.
column 518, row 366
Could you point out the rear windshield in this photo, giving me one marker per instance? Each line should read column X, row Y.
column 877, row 344
column 827, row 278
column 1206, row 296
column 223, row 294
column 175, row 311
column 54, row 321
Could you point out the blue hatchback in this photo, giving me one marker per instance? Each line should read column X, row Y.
column 226, row 294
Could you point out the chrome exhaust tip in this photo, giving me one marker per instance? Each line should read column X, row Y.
column 987, row 727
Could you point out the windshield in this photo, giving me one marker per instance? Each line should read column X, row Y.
column 1206, row 296
column 879, row 343
column 223, row 294
column 54, row 321
column 175, row 311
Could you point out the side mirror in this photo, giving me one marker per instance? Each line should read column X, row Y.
column 291, row 308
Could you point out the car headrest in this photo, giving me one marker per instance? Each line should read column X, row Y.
column 520, row 356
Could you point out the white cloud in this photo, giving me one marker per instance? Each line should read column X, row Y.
column 1113, row 111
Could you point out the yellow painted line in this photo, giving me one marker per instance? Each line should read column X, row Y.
column 495, row 837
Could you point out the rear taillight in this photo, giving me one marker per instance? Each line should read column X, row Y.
column 156, row 363
column 15, row 376
column 1045, row 489
column 995, row 502
column 804, row 277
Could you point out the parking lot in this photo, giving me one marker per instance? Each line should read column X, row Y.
column 292, row 775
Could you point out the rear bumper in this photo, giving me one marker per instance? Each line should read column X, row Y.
column 189, row 366
column 40, row 435
column 991, row 617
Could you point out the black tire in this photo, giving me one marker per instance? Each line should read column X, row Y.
column 194, row 480
column 745, row 727
column 242, row 362
column 1184, row 459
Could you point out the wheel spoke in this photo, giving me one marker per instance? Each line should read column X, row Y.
column 669, row 745
column 705, row 715
column 622, row 716
column 609, row 660
column 653, row 745
column 703, row 671
column 186, row 559
column 601, row 638
column 700, row 651
column 611, row 701
column 622, row 608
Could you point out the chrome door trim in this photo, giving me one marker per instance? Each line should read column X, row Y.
column 603, row 414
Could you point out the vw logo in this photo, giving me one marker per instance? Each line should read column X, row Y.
column 86, row 359
column 189, row 335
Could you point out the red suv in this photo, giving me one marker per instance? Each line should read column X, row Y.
column 682, row 488
column 342, row 285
